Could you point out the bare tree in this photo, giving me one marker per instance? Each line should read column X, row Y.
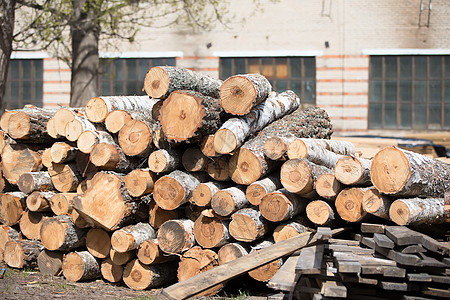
column 7, row 8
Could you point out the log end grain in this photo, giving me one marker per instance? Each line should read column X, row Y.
column 349, row 205
column 116, row 119
column 274, row 148
column 19, row 125
column 62, row 203
column 207, row 146
column 327, row 186
column 348, row 170
column 295, row 175
column 297, row 149
column 400, row 213
column 218, row 169
column 372, row 200
column 275, row 206
column 237, row 95
column 243, row 228
column 202, row 195
column 194, row 160
column 96, row 110
column 225, row 141
column 80, row 266
column 11, row 209
column 14, row 255
column 245, row 167
column 135, row 137
column 53, row 234
column 157, row 161
column 223, row 203
column 148, row 252
column 86, row 141
column 156, row 82
column 122, row 241
column 50, row 262
column 230, row 252
column 139, row 182
column 255, row 192
column 174, row 236
column 98, row 242
column 168, row 193
column 111, row 271
column 318, row 212
column 208, row 232
column 105, row 155
column 73, row 130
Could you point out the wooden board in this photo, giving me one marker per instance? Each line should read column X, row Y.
column 285, row 279
column 310, row 260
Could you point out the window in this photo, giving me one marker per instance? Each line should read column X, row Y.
column 125, row 76
column 284, row 73
column 24, row 84
column 409, row 92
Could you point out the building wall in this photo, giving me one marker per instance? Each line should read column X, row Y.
column 347, row 27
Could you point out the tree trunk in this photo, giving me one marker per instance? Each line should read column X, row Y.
column 50, row 262
column 218, row 168
column 349, row 204
column 89, row 138
column 194, row 160
column 149, row 253
column 62, row 203
column 35, row 181
column 248, row 225
column 265, row 272
column 78, row 266
column 138, row 276
column 84, row 32
column 232, row 251
column 239, row 93
column 18, row 159
column 176, row 236
column 31, row 223
column 12, row 205
column 414, row 211
column 376, row 203
column 132, row 236
column 163, row 161
column 7, row 14
column 352, row 170
column 98, row 242
column 188, row 116
column 46, row 158
column 327, row 186
column 258, row 189
column 249, row 164
column 60, row 233
column 316, row 153
column 282, row 205
column 140, row 182
column 196, row 261
column 401, row 172
column 161, row 81
column 291, row 228
column 211, row 232
column 229, row 200
column 65, row 178
column 300, row 147
column 321, row 213
column 111, row 271
column 135, row 138
column 39, row 201
column 235, row 131
column 204, row 192
column 22, row 253
column 51, row 129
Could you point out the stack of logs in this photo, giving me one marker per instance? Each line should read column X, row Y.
column 158, row 188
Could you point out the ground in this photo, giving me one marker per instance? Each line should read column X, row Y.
column 30, row 284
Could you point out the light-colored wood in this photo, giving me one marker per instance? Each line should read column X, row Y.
column 231, row 251
column 349, row 204
column 149, row 253
column 321, row 213
column 419, row 210
column 285, row 279
column 135, row 138
column 46, row 159
column 229, row 200
column 63, row 116
column 18, row 159
column 30, row 124
column 157, row 215
column 39, row 201
column 111, row 271
column 138, row 276
column 164, row 160
column 65, row 178
column 246, row 166
column 12, row 205
column 302, row 147
column 61, row 203
column 276, row 147
column 121, row 258
column 116, row 119
column 281, row 205
column 79, row 266
column 207, row 146
column 98, row 242
column 35, row 181
column 247, row 225
column 111, row 157
column 211, row 232
column 176, row 236
column 265, row 272
column 290, row 229
column 132, row 236
column 327, row 186
column 194, row 160
column 258, row 189
column 89, row 138
column 7, row 233
column 218, row 169
column 77, row 126
column 204, row 192
column 60, row 233
column 80, row 221
column 31, row 223
column 50, row 262
column 376, row 203
column 140, row 182
column 22, row 253
column 352, row 170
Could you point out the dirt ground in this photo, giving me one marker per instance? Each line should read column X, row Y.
column 30, row 284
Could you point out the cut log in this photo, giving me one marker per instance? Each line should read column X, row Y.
column 317, row 154
column 61, row 152
column 248, row 165
column 30, row 124
column 300, row 147
column 258, row 189
column 4, row 138
column 160, row 140
column 204, row 192
column 235, row 131
column 39, row 201
column 99, row 107
column 60, row 233
column 239, row 93
column 290, row 229
column 161, row 81
column 138, row 276
column 65, row 178
column 18, row 159
column 46, row 158
column 22, row 253
column 5, row 119
column 85, row 166
column 62, row 203
column 98, row 242
column 265, row 272
column 276, row 147
column 121, row 258
column 376, row 203
column 89, row 138
column 194, row 160
column 352, row 170
column 111, row 271
column 65, row 115
column 50, row 262
column 80, row 221
column 349, row 204
column 135, row 138
column 218, row 168
column 321, row 213
column 79, row 266
column 327, row 186
column 419, row 210
column 176, row 236
column 140, row 182
column 5, row 186
column 207, row 146
column 131, row 237
column 149, row 253
column 401, row 172
column 174, row 189
column 35, row 181
column 188, row 116
column 248, row 225
column 163, row 161
column 211, row 232
column 7, row 234
column 299, row 176
column 111, row 157
column 157, row 215
column 31, row 223
column 51, row 129
column 12, row 205
column 229, row 200
column 282, row 205
column 232, row 251
column 77, row 126
column 118, row 208
column 116, row 119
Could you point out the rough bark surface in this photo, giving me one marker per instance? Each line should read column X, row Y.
column 79, row 266
column 7, row 33
column 419, row 210
column 352, row 170
column 22, row 253
column 30, row 124
column 299, row 147
column 60, row 233
column 281, row 205
column 132, row 236
column 35, row 181
column 258, row 189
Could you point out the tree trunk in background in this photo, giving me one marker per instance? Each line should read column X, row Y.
column 85, row 59
column 6, row 37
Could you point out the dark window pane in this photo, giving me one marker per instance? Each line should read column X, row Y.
column 118, row 69
column 447, row 91
column 447, row 116
column 310, row 92
column 15, row 89
column 239, row 66
column 14, row 69
column 405, row 90
column 375, row 66
column 118, row 88
column 26, row 91
column 296, row 67
column 310, row 68
column 420, row 116
column 253, row 66
column 376, row 90
column 436, row 67
column 157, row 62
column 281, row 85
column 405, row 67
column 435, row 88
column 390, row 63
column 375, row 116
column 296, row 87
column 405, row 116
column 390, row 90
column 38, row 69
column 435, row 116
column 38, row 92
column 131, row 88
column 225, row 68
column 131, row 69
column 420, row 91
column 420, row 67
column 170, row 61
column 390, row 115
column 143, row 65
column 106, row 88
column 447, row 67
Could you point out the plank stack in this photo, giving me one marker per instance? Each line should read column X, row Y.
column 155, row 189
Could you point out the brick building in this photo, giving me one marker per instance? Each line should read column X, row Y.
column 375, row 66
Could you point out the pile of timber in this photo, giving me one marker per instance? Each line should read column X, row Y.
column 156, row 189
